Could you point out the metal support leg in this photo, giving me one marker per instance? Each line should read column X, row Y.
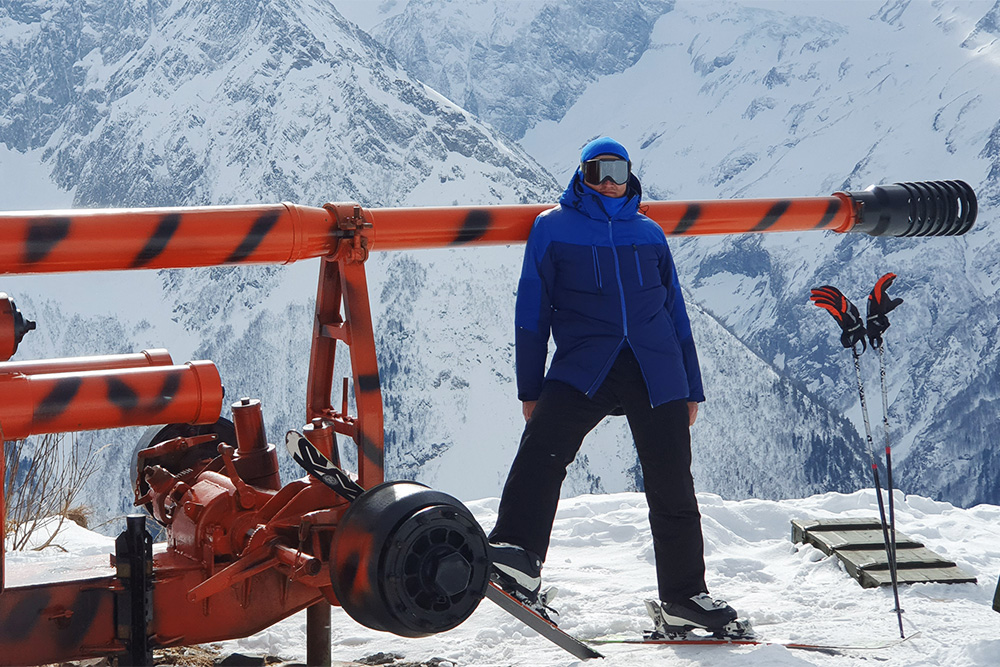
column 134, row 604
column 318, row 635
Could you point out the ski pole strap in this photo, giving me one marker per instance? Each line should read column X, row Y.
column 880, row 304
column 846, row 314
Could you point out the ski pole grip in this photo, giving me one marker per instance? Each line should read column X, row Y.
column 924, row 208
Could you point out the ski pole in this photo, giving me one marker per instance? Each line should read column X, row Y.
column 853, row 333
column 888, row 451
column 879, row 305
column 889, row 550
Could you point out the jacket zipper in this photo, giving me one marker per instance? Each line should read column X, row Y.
column 621, row 296
column 618, row 276
column 597, row 270
column 638, row 267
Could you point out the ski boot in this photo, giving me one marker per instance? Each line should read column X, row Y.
column 678, row 620
column 519, row 573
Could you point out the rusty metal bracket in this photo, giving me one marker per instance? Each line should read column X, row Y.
column 352, row 231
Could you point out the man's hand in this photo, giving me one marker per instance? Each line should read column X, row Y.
column 527, row 407
column 692, row 412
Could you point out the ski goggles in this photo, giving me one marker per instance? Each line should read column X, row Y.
column 597, row 171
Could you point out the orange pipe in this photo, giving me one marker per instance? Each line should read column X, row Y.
column 411, row 228
column 157, row 238
column 89, row 240
column 105, row 240
column 154, row 357
column 89, row 400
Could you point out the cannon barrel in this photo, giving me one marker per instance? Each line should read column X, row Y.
column 98, row 399
column 157, row 238
column 933, row 208
column 153, row 357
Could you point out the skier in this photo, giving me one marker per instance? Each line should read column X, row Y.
column 599, row 276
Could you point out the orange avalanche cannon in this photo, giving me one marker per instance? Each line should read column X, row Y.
column 90, row 400
column 154, row 357
column 89, row 240
column 243, row 550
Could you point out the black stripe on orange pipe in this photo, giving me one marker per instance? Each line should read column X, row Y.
column 168, row 390
column 477, row 222
column 261, row 228
column 691, row 215
column 832, row 209
column 43, row 236
column 121, row 394
column 158, row 241
column 772, row 216
column 58, row 399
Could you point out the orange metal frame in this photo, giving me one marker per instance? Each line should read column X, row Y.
column 244, row 551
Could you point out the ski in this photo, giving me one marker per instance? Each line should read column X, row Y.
column 539, row 624
column 708, row 640
column 319, row 466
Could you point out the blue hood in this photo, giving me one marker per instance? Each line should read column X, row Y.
column 591, row 203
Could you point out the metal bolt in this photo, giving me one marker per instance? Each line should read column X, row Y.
column 452, row 574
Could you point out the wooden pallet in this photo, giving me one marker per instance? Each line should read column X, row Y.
column 860, row 545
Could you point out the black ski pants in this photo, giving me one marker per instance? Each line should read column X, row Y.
column 551, row 439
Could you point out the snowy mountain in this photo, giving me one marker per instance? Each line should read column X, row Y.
column 155, row 105
column 515, row 64
column 778, row 99
column 601, row 560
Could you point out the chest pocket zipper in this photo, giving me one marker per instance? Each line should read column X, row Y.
column 597, row 270
column 638, row 266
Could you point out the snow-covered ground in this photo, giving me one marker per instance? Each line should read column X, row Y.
column 601, row 560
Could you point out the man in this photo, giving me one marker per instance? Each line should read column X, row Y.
column 599, row 276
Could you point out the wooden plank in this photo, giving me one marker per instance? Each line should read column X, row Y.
column 949, row 575
column 859, row 544
column 829, row 541
column 912, row 565
column 801, row 526
column 909, row 557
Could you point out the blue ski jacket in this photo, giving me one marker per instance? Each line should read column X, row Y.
column 598, row 283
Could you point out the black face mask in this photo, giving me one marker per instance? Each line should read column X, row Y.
column 596, row 172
